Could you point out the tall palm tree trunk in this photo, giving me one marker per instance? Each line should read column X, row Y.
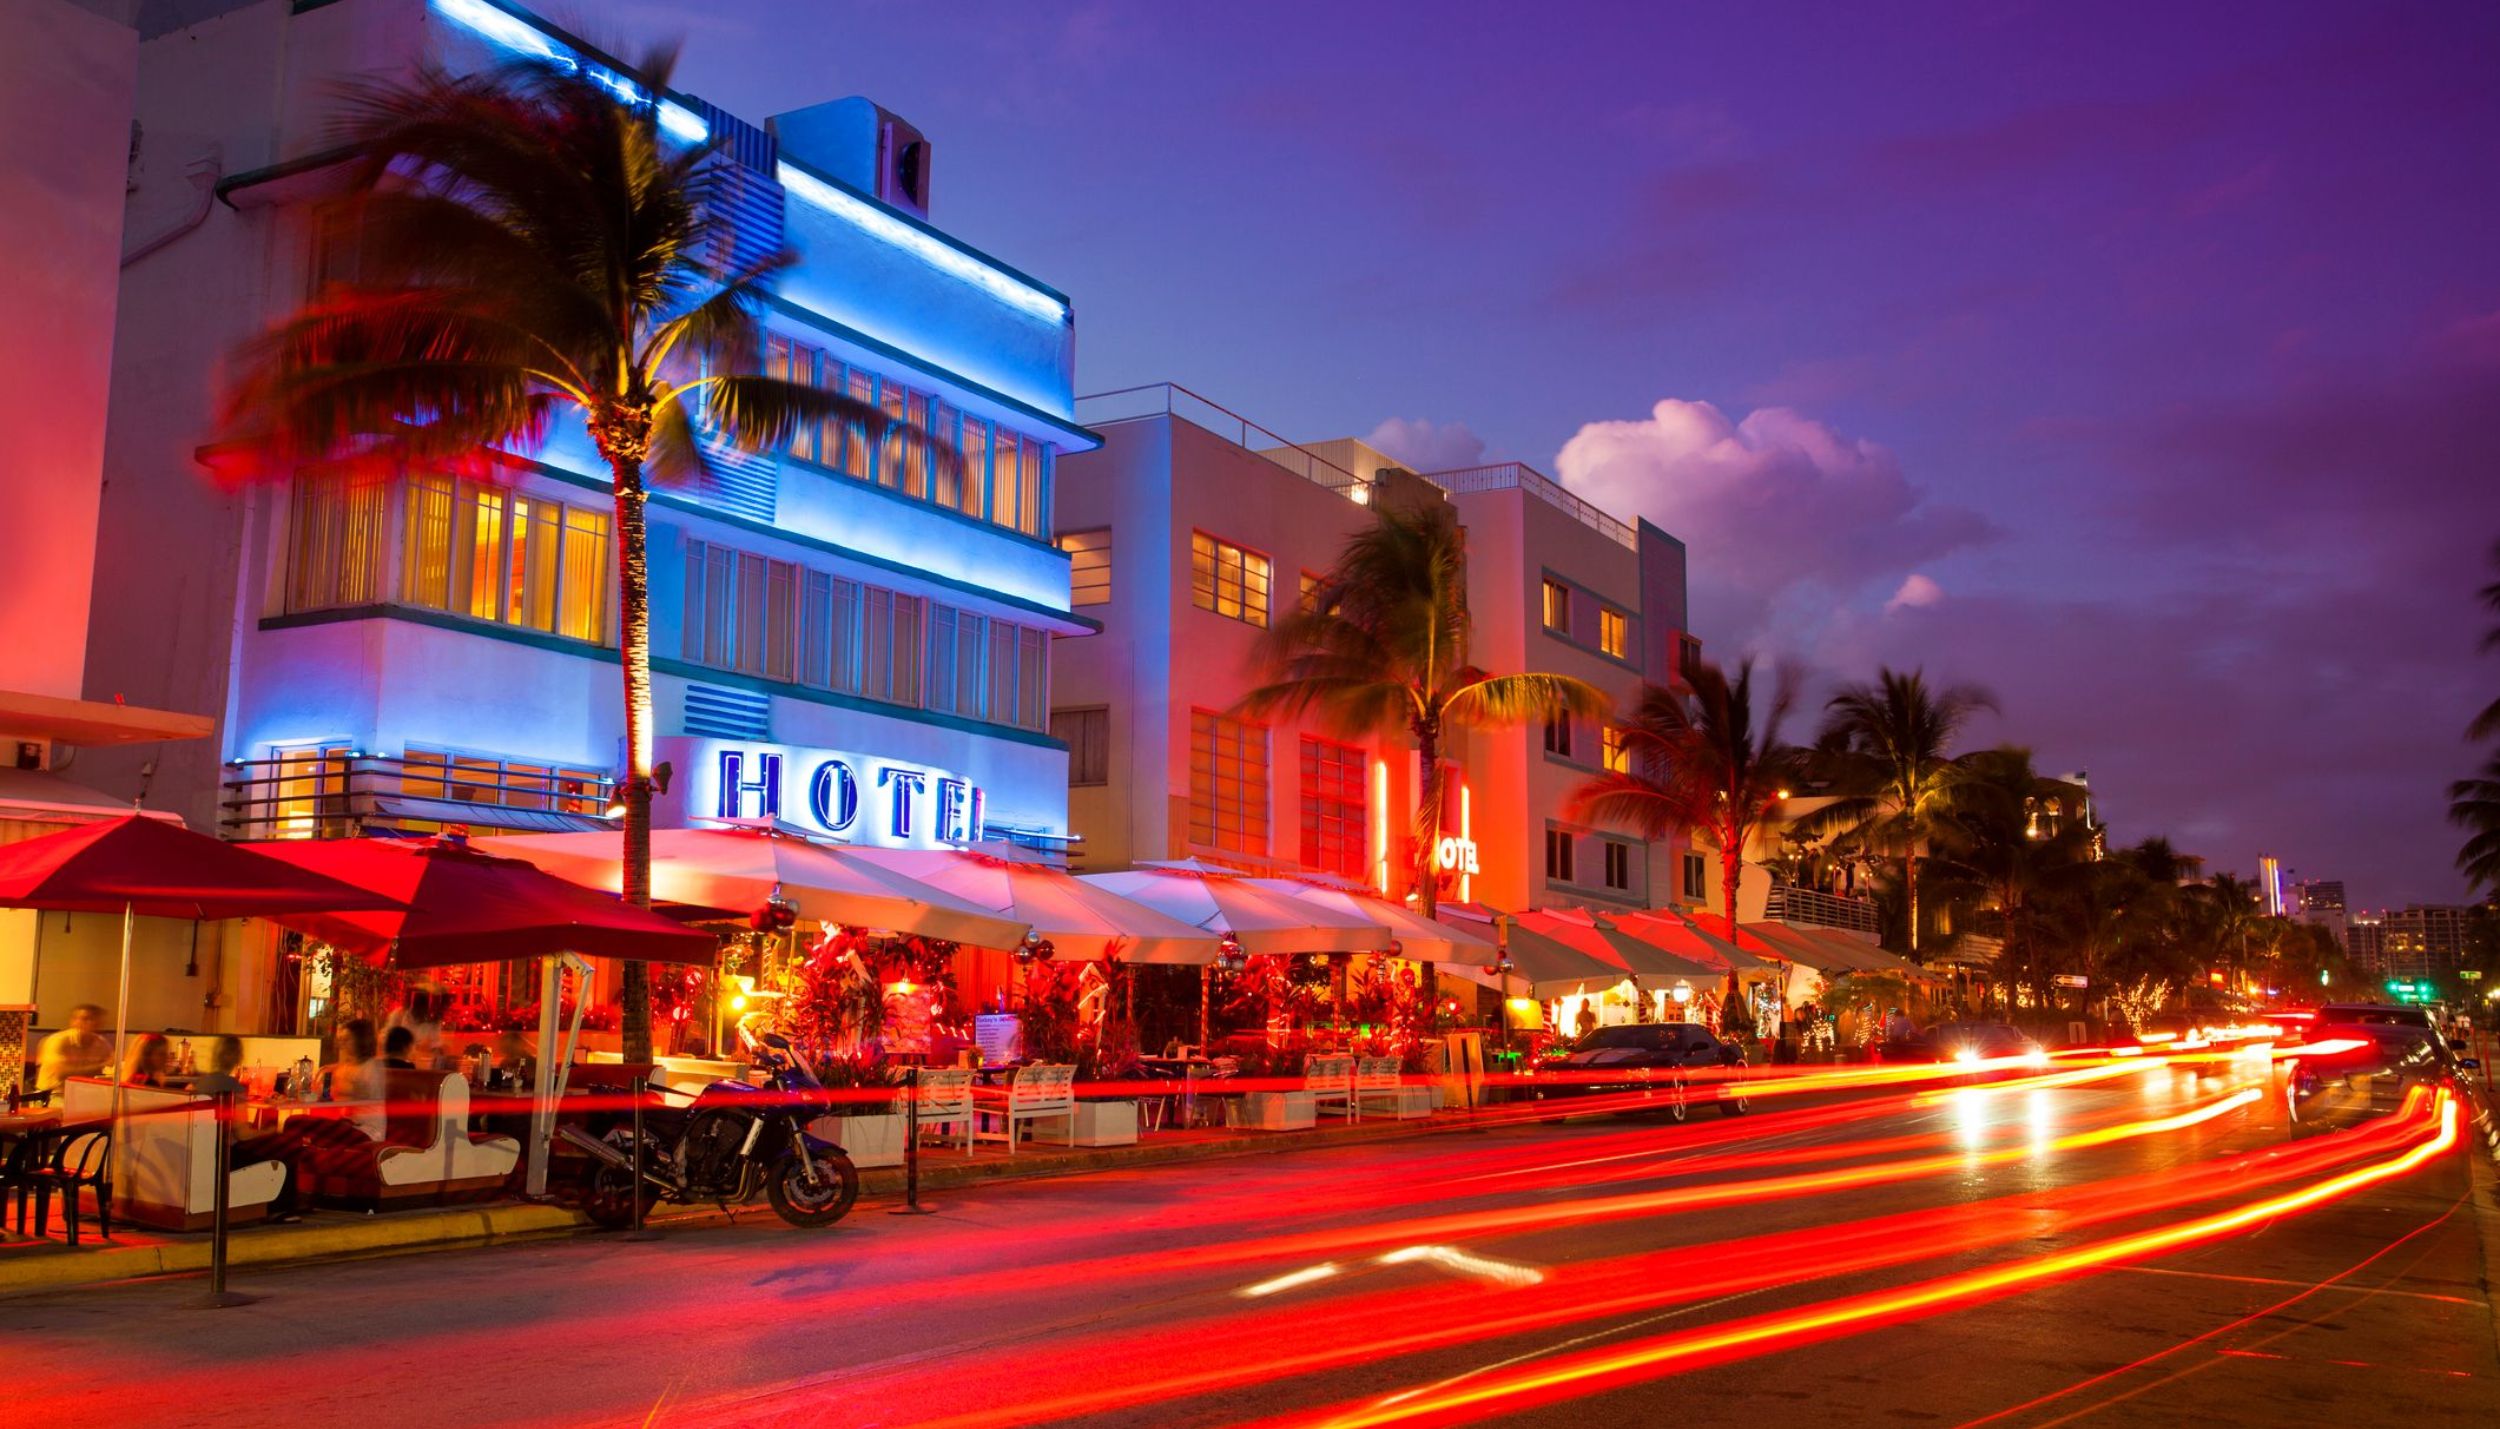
column 1731, row 873
column 1909, row 891
column 1428, row 817
column 1427, row 854
column 623, row 435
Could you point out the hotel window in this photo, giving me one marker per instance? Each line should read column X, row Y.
column 1613, row 632
column 335, row 528
column 1228, row 580
column 310, row 781
column 1558, row 855
column 1332, row 806
column 1308, row 598
column 1618, row 866
column 512, row 784
column 1618, row 759
column 1089, row 565
column 1087, row 734
column 1558, row 736
column 1016, row 496
column 500, row 555
column 1557, row 607
column 1696, row 878
column 857, row 459
column 1227, row 783
column 1006, row 496
column 972, row 497
column 890, row 452
column 782, row 621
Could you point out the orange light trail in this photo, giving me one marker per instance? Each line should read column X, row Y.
column 1586, row 1373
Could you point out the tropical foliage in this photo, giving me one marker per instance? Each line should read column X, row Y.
column 1886, row 749
column 530, row 252
column 1700, row 760
column 1381, row 649
column 2474, row 804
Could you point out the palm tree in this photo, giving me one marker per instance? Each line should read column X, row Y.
column 1888, row 747
column 2004, row 850
column 530, row 247
column 1703, row 761
column 1381, row 649
column 2474, row 805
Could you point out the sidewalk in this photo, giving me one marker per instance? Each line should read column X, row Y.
column 28, row 1266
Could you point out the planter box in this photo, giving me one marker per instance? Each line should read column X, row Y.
column 1106, row 1123
column 869, row 1140
column 1273, row 1111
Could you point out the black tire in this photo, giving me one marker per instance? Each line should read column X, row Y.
column 607, row 1198
column 1732, row 1101
column 829, row 1200
column 1679, row 1103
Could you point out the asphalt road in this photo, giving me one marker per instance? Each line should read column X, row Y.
column 1610, row 1271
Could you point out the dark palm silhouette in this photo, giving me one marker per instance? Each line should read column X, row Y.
column 1703, row 761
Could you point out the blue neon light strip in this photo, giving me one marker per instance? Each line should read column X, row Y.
column 886, row 228
column 501, row 27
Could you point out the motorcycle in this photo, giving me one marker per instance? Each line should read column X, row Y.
column 734, row 1138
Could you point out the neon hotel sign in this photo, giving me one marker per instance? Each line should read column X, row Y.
column 860, row 798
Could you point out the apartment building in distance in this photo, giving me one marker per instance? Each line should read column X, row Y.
column 1192, row 529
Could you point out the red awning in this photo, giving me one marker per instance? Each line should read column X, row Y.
column 162, row 870
column 461, row 906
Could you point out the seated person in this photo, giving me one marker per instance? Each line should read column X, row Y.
column 150, row 1058
column 357, row 1074
column 78, row 1050
column 398, row 1050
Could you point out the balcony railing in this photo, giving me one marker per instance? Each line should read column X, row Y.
column 1817, row 909
column 1509, row 475
column 346, row 795
column 1170, row 399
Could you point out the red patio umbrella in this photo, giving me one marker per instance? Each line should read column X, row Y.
column 456, row 905
column 137, row 864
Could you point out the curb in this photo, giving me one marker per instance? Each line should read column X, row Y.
column 344, row 1235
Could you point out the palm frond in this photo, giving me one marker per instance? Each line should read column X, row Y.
column 1495, row 700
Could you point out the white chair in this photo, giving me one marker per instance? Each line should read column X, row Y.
column 1378, row 1087
column 1041, row 1092
column 1330, row 1081
column 946, row 1101
column 166, row 1167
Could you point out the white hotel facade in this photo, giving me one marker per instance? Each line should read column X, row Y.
column 840, row 636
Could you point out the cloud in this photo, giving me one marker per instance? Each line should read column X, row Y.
column 1917, row 592
column 1428, row 446
column 1786, row 518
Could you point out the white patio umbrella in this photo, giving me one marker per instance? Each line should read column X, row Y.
column 1080, row 921
column 741, row 867
column 1414, row 935
column 1259, row 920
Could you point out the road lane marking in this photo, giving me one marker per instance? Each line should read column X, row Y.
column 2325, row 1285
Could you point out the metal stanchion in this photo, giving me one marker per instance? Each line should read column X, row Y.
column 911, row 1151
column 639, row 1232
column 218, row 1296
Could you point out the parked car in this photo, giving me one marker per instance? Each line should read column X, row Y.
column 2372, row 1067
column 1652, row 1061
column 1965, row 1042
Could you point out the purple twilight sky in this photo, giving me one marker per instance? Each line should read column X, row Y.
column 2140, row 362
